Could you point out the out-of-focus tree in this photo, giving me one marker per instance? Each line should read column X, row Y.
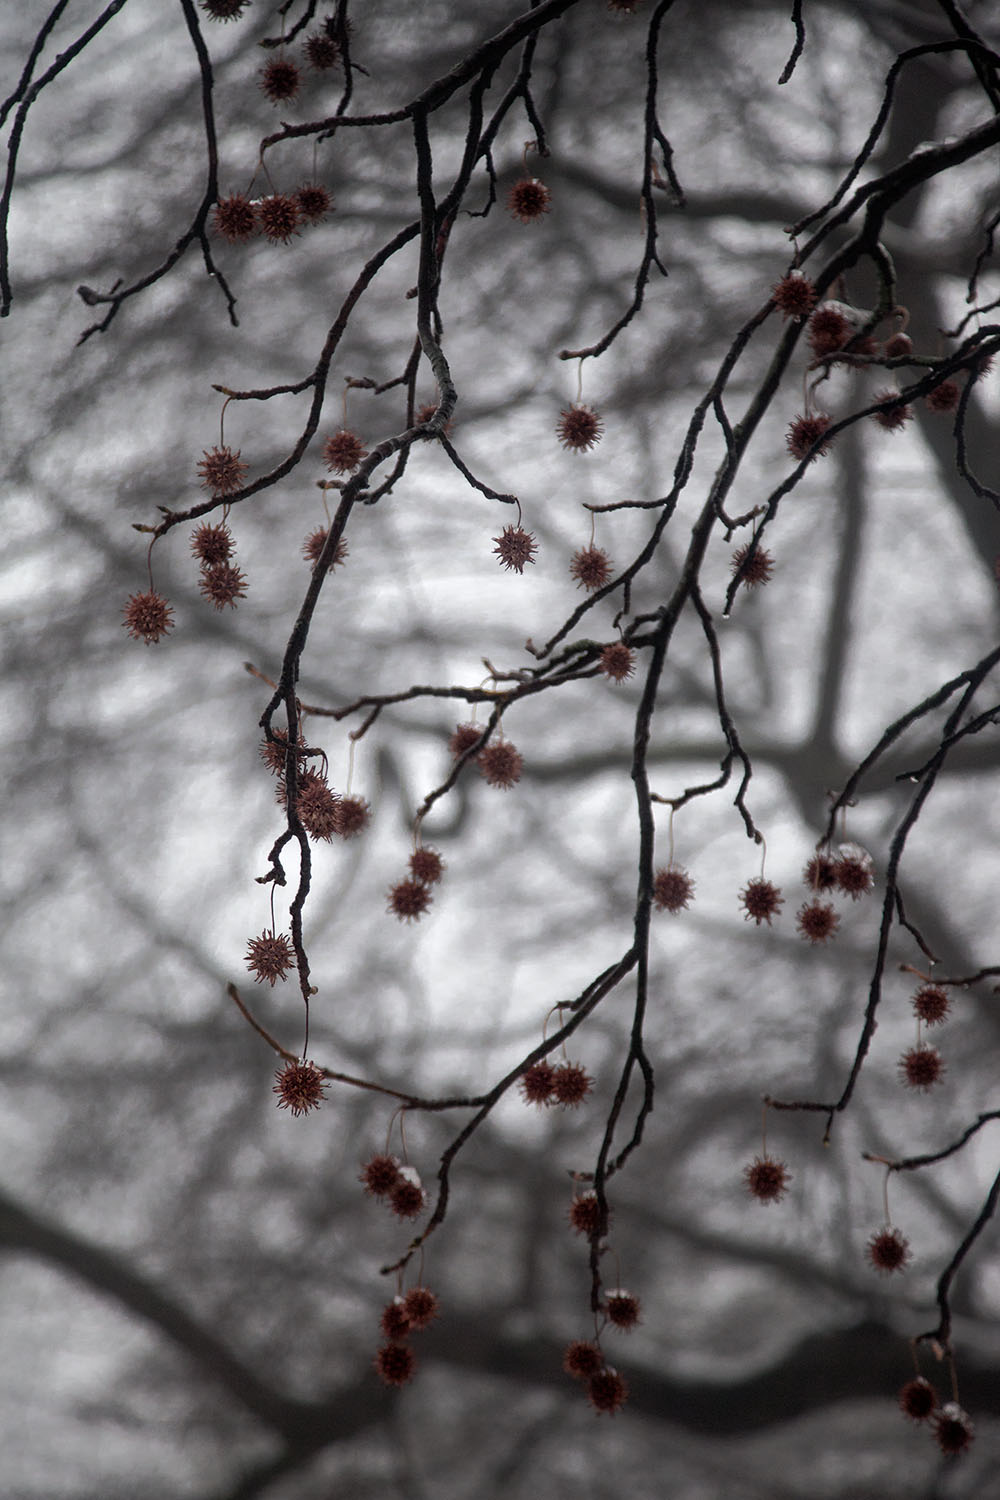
column 615, row 380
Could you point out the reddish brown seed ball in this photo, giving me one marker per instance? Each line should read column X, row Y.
column 380, row 1175
column 394, row 1322
column 607, row 1391
column 224, row 10
column 579, row 429
column 673, row 888
column 426, row 865
column 270, row 956
column 343, row 452
column 317, row 806
column 235, row 218
column 462, row 738
column 890, row 416
column 279, row 217
column 829, row 331
column 422, row 1307
column 279, row 79
column 528, row 200
column 353, row 816
column 898, row 346
column 314, row 543
column 953, row 1430
column 918, row 1399
column 536, row 1083
column 766, row 1179
column 617, row 661
column 321, row 51
column 222, row 472
column 623, row 1309
column 299, row 1087
column 212, row 545
column 761, row 901
column 794, row 295
column 571, row 1084
column 223, row 584
column 591, row 567
column 585, row 1214
column 582, row 1359
column 501, row 764
column 515, row 548
column 854, row 872
column 888, row 1251
column 820, row 873
column 147, row 617
column 407, row 1198
column 921, row 1068
column 931, row 1004
column 755, row 572
column 944, row 397
column 817, row 922
column 408, row 900
column 395, row 1364
column 314, row 202
column 803, row 432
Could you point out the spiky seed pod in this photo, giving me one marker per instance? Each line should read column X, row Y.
column 528, row 200
column 794, row 295
column 829, row 331
column 891, row 417
column 380, row 1175
column 274, row 752
column 617, row 661
column 394, row 1322
column 931, row 1004
column 462, row 738
column 921, row 1068
column 585, row 1215
column 408, row 900
column 280, row 79
column 321, row 51
column 817, row 921
column 224, row 10
column 426, row 865
column 944, row 397
column 591, row 567
column 570, row 1084
column 820, row 873
column 269, row 957
column 317, row 806
column 607, row 1391
column 673, row 888
column 889, row 1251
column 147, row 617
column 761, row 900
column 221, row 470
column 579, row 429
column 314, row 543
column 803, row 432
column 854, row 871
column 536, row 1083
column 314, row 201
column 422, row 1307
column 898, row 346
column 953, row 1429
column 501, row 764
column 623, row 1309
column 212, row 545
column 279, row 217
column 515, row 547
column 395, row 1364
column 235, row 218
column 582, row 1359
column 299, row 1087
column 353, row 816
column 223, row 584
column 918, row 1399
column 755, row 572
column 407, row 1198
column 766, row 1179
column 343, row 451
